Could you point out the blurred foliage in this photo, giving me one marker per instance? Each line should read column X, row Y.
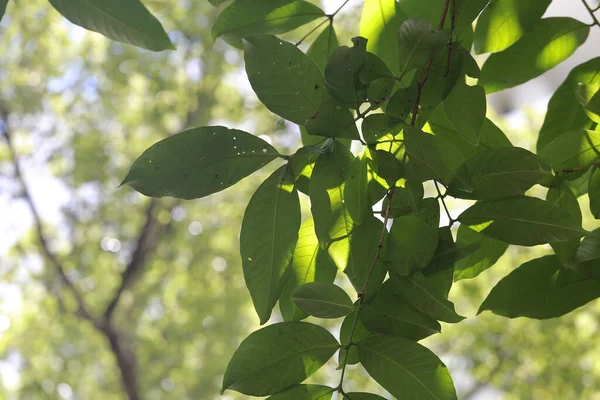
column 82, row 109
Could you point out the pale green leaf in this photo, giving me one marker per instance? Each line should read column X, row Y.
column 323, row 47
column 487, row 254
column 573, row 149
column 589, row 97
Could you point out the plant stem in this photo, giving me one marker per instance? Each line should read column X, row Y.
column 591, row 11
column 441, row 197
column 338, row 10
column 299, row 42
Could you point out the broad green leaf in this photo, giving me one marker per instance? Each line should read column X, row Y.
column 378, row 76
column 406, row 369
column 3, row 4
column 503, row 172
column 304, row 392
column 363, row 396
column 250, row 17
column 417, row 43
column 594, row 192
column 126, row 21
column 503, row 22
column 323, row 47
column 466, row 12
column 564, row 112
column 333, row 119
column 522, row 220
column 587, row 257
column 268, row 237
column 310, row 263
column 286, row 80
column 541, row 288
column 465, row 108
column 487, row 254
column 562, row 197
column 548, row 43
column 430, row 157
column 406, row 200
column 573, row 149
column 387, row 166
column 332, row 219
column 356, row 196
column 377, row 126
column 322, row 300
column 360, row 332
column 389, row 315
column 278, row 356
column 198, row 162
column 419, row 293
column 411, row 244
column 430, row 212
column 402, row 103
column 589, row 97
column 342, row 73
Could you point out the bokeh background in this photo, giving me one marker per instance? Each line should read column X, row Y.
column 78, row 109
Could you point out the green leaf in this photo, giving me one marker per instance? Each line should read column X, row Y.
column 406, row 369
column 466, row 12
column 342, row 73
column 589, row 97
column 522, row 220
column 323, row 47
column 417, row 43
column 587, row 257
column 549, row 42
column 332, row 219
column 278, row 356
column 417, row 291
column 503, row 22
column 356, row 196
column 388, row 314
column 573, row 149
column 376, row 126
column 333, row 119
column 198, row 162
column 360, row 332
column 465, row 108
column 504, row 171
column 564, row 112
column 304, row 392
column 430, row 157
column 562, row 197
column 322, row 300
column 250, row 17
column 387, row 166
column 378, row 76
column 286, row 80
column 402, row 103
column 411, row 244
column 126, row 21
column 487, row 254
column 594, row 192
column 406, row 200
column 267, row 240
column 541, row 288
column 363, row 396
column 216, row 3
column 3, row 4
column 440, row 270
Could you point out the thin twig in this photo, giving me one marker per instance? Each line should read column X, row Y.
column 575, row 169
column 338, row 10
column 441, row 197
column 453, row 15
column 299, row 42
column 591, row 12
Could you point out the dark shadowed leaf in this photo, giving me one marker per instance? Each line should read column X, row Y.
column 406, row 200
column 333, row 119
column 522, row 220
column 304, row 392
column 3, row 4
column 278, row 356
column 487, row 254
column 323, row 47
column 417, row 43
column 562, row 197
column 342, row 73
column 594, row 192
column 322, row 300
column 268, row 238
column 411, row 244
column 356, row 196
column 402, row 103
column 406, row 369
column 541, row 288
column 126, row 21
column 465, row 108
column 198, row 162
column 549, row 42
column 587, row 257
column 360, row 332
column 363, row 396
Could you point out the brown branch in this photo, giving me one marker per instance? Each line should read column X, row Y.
column 575, row 169
column 451, row 38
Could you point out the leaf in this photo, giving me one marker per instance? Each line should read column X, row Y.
column 564, row 112
column 440, row 270
column 573, row 149
column 323, row 47
column 322, row 300
column 411, row 244
column 503, row 172
column 541, row 289
column 376, row 126
column 522, row 220
column 250, row 17
column 267, row 240
column 589, row 97
column 562, row 197
column 360, row 332
column 594, row 192
column 342, row 73
column 126, row 21
column 378, row 76
column 417, row 43
column 333, row 119
column 310, row 263
column 388, row 314
column 216, row 3
column 332, row 219
column 198, row 162
column 278, row 356
column 356, row 196
column 418, row 292
column 587, row 257
column 430, row 157
column 402, row 103
column 387, row 166
column 363, row 396
column 487, row 254
column 503, row 22
column 286, row 80
column 406, row 200
column 3, row 4
column 549, row 42
column 465, row 108
column 406, row 369
column 304, row 392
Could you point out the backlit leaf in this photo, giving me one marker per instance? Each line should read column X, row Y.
column 356, row 196
column 465, row 108
column 411, row 244
column 589, row 97
column 572, row 150
column 322, row 300
column 417, row 43
column 342, row 73
column 323, row 47
column 487, row 254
